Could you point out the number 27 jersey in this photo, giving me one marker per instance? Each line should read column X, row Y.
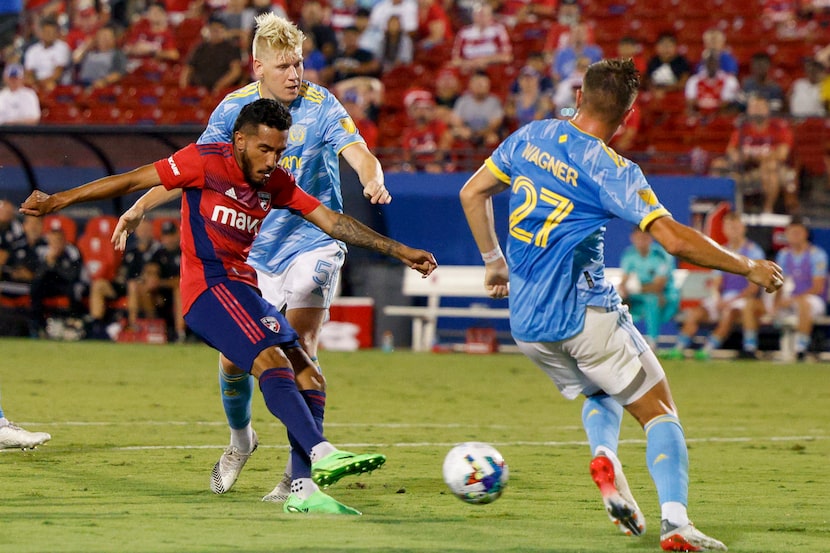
column 565, row 185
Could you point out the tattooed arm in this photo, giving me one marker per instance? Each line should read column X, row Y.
column 350, row 230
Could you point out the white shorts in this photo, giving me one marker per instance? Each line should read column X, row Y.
column 817, row 308
column 609, row 355
column 310, row 280
column 733, row 300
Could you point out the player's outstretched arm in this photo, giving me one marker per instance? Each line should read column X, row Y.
column 369, row 171
column 476, row 199
column 40, row 203
column 128, row 222
column 692, row 246
column 348, row 229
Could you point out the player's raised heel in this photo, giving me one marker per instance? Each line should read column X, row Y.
column 338, row 464
column 616, row 495
column 228, row 467
column 319, row 503
column 687, row 538
column 280, row 493
column 14, row 437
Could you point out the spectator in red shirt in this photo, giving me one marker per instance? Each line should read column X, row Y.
column 82, row 31
column 629, row 47
column 434, row 26
column 485, row 42
column 151, row 38
column 518, row 11
column 712, row 90
column 757, row 157
column 427, row 139
column 567, row 15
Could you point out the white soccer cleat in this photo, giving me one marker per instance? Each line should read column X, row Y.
column 687, row 538
column 14, row 437
column 227, row 468
column 616, row 495
column 281, row 492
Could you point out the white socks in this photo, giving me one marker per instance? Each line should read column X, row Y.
column 321, row 450
column 243, row 438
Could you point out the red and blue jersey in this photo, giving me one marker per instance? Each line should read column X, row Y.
column 222, row 213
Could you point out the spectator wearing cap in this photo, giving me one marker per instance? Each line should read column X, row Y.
column 427, row 139
column 361, row 111
column 530, row 102
column 47, row 61
column 215, row 63
column 483, row 43
column 19, row 104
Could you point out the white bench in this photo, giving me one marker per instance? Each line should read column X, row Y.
column 467, row 281
column 447, row 281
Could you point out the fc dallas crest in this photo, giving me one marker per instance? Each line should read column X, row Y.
column 271, row 324
column 264, row 200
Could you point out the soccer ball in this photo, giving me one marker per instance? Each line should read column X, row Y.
column 475, row 472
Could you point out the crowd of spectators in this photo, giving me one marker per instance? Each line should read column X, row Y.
column 50, row 273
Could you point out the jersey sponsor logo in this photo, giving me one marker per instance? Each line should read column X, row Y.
column 173, row 166
column 231, row 193
column 271, row 323
column 264, row 200
column 296, row 134
column 648, row 196
column 291, row 163
column 348, row 125
column 236, row 219
column 545, row 161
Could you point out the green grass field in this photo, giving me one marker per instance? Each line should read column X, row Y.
column 136, row 430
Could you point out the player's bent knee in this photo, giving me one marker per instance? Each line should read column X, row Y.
column 269, row 358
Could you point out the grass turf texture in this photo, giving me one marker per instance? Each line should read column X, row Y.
column 136, row 430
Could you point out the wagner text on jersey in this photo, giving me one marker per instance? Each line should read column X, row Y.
column 546, row 161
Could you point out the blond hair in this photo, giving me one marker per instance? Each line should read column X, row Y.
column 276, row 35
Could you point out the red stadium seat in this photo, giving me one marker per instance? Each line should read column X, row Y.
column 101, row 260
column 101, row 226
column 63, row 223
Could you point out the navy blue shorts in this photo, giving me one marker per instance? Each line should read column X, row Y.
column 233, row 318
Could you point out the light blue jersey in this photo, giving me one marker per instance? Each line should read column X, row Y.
column 320, row 130
column 565, row 186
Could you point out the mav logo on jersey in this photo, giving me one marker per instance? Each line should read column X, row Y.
column 236, row 219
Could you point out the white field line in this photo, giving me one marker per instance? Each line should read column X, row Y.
column 543, row 443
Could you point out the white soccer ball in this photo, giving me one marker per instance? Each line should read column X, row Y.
column 475, row 472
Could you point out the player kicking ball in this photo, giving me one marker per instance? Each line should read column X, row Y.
column 229, row 188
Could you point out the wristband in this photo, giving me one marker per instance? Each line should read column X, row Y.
column 492, row 255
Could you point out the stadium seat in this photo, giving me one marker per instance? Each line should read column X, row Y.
column 60, row 114
column 102, row 115
column 63, row 223
column 100, row 258
column 101, row 226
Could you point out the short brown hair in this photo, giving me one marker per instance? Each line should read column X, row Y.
column 609, row 88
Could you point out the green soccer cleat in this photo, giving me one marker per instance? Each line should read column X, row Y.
column 673, row 354
column 703, row 355
column 319, row 503
column 338, row 464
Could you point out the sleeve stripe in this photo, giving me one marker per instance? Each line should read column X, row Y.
column 653, row 216
column 496, row 171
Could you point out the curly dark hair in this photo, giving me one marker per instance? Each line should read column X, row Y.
column 266, row 112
